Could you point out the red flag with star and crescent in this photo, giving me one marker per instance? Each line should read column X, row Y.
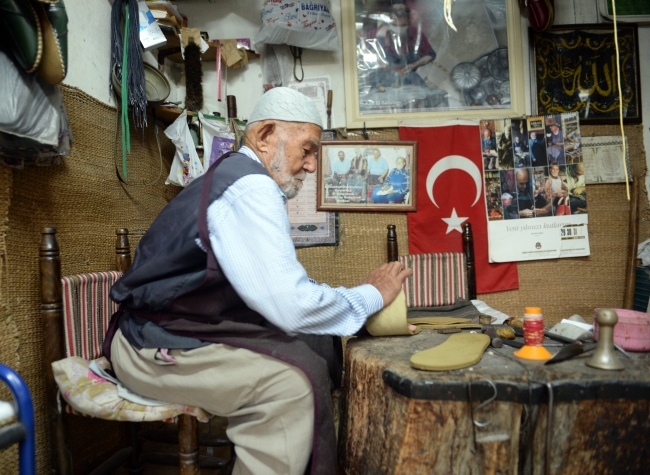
column 450, row 193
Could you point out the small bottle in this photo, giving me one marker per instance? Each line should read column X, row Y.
column 533, row 326
column 533, row 348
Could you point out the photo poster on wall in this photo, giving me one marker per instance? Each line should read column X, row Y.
column 534, row 188
column 308, row 226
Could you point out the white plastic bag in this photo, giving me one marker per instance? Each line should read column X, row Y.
column 186, row 165
column 217, row 140
column 306, row 24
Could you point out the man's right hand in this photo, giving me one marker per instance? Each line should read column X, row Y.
column 388, row 279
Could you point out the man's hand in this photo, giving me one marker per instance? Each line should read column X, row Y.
column 526, row 213
column 388, row 279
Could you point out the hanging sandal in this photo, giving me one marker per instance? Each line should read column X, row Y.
column 23, row 32
column 54, row 20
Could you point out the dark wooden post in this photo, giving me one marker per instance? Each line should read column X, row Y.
column 468, row 250
column 632, row 244
column 52, row 320
column 188, row 439
column 391, row 244
column 122, row 250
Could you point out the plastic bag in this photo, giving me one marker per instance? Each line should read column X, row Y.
column 307, row 24
column 186, row 165
column 277, row 66
column 30, row 107
column 217, row 140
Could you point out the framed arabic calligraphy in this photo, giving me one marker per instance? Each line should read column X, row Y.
column 574, row 70
column 367, row 176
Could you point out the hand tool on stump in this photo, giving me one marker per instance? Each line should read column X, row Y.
column 498, row 337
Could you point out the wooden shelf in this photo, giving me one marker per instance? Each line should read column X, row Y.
column 167, row 115
column 173, row 42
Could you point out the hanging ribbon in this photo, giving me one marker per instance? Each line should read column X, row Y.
column 126, row 133
column 620, row 102
column 218, row 61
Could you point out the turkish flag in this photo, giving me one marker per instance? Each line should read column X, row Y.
column 450, row 193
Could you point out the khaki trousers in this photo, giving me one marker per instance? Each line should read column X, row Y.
column 269, row 404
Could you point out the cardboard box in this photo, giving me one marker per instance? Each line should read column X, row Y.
column 150, row 34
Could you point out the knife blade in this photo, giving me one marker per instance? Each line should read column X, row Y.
column 569, row 351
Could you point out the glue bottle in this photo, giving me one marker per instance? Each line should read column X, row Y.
column 533, row 348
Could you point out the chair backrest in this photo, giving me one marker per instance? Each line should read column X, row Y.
column 77, row 309
column 438, row 278
column 87, row 309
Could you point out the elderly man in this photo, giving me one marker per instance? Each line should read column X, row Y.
column 404, row 48
column 217, row 312
column 340, row 170
column 529, row 205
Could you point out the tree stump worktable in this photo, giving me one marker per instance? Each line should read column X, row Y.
column 399, row 420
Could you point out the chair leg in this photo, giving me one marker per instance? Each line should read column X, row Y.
column 133, row 435
column 188, row 440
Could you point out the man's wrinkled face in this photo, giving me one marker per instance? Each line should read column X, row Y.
column 555, row 170
column 522, row 181
column 295, row 156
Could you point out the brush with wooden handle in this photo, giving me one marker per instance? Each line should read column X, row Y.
column 329, row 109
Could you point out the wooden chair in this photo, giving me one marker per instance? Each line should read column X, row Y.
column 59, row 344
column 467, row 257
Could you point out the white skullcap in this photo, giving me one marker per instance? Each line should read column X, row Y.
column 289, row 105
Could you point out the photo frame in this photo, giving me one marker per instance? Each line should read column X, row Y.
column 573, row 70
column 388, row 78
column 367, row 176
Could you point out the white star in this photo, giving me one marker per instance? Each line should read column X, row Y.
column 454, row 222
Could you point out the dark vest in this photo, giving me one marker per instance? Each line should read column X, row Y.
column 180, row 287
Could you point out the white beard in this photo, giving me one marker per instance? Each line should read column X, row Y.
column 289, row 184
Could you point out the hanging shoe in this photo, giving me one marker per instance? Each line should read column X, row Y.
column 541, row 14
column 54, row 19
column 22, row 31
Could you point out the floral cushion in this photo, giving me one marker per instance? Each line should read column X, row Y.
column 90, row 394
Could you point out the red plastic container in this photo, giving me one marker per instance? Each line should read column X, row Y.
column 632, row 332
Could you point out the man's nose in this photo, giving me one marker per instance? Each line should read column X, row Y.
column 310, row 164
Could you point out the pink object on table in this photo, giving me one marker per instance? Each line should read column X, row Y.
column 632, row 332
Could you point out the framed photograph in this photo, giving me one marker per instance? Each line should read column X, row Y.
column 404, row 61
column 367, row 176
column 573, row 69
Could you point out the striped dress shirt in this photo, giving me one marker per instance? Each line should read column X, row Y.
column 249, row 233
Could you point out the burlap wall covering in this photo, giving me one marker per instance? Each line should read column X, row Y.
column 8, row 329
column 84, row 200
column 562, row 287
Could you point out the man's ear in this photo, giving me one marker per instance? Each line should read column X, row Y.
column 263, row 136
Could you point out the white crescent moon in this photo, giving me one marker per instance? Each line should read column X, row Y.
column 448, row 163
